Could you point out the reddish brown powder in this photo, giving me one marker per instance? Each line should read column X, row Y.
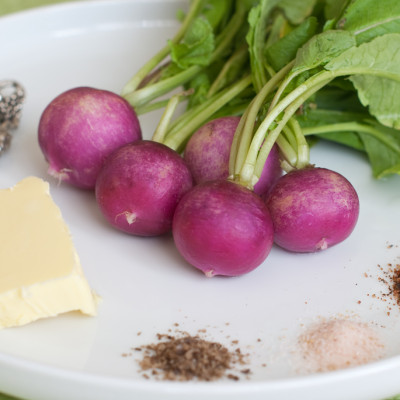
column 190, row 357
column 390, row 278
column 396, row 284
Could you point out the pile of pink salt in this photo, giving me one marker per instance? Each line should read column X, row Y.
column 337, row 344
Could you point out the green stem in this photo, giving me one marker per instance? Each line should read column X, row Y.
column 352, row 127
column 135, row 81
column 281, row 88
column 224, row 40
column 256, row 157
column 188, row 115
column 260, row 33
column 148, row 93
column 296, row 98
column 238, row 57
column 151, row 107
column 162, row 127
column 154, row 76
column 269, row 69
column 236, row 109
column 290, row 137
column 247, row 170
column 286, row 148
column 236, row 142
column 255, row 160
column 176, row 139
column 303, row 150
column 246, row 133
column 259, row 161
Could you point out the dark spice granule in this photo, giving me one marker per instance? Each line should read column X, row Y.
column 391, row 280
column 189, row 357
column 396, row 284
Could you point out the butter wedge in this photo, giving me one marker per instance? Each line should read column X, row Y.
column 40, row 271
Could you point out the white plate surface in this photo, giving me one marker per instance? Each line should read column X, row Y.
column 146, row 287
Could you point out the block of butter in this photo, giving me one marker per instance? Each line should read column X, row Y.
column 40, row 272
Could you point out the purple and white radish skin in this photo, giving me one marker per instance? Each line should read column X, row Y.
column 312, row 209
column 208, row 149
column 222, row 228
column 139, row 187
column 80, row 128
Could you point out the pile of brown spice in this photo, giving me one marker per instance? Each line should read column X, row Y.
column 189, row 357
column 396, row 284
column 391, row 279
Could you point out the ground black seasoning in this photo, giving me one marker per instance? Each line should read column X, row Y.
column 187, row 357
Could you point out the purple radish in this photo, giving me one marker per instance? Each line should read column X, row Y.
column 271, row 172
column 80, row 128
column 222, row 228
column 312, row 209
column 139, row 187
column 207, row 151
column 207, row 154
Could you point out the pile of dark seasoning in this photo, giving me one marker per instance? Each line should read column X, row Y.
column 185, row 357
column 390, row 278
column 396, row 284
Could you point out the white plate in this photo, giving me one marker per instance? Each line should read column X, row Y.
column 146, row 287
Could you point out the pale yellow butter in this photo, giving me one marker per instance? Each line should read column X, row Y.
column 40, row 272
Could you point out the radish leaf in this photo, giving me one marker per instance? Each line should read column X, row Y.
column 375, row 70
column 384, row 159
column 256, row 36
column 333, row 9
column 368, row 19
column 284, row 50
column 321, row 48
column 296, row 11
column 196, row 47
column 382, row 97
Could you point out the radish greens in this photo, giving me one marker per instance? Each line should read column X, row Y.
column 294, row 71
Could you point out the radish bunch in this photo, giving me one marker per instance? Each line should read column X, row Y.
column 220, row 224
column 231, row 175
